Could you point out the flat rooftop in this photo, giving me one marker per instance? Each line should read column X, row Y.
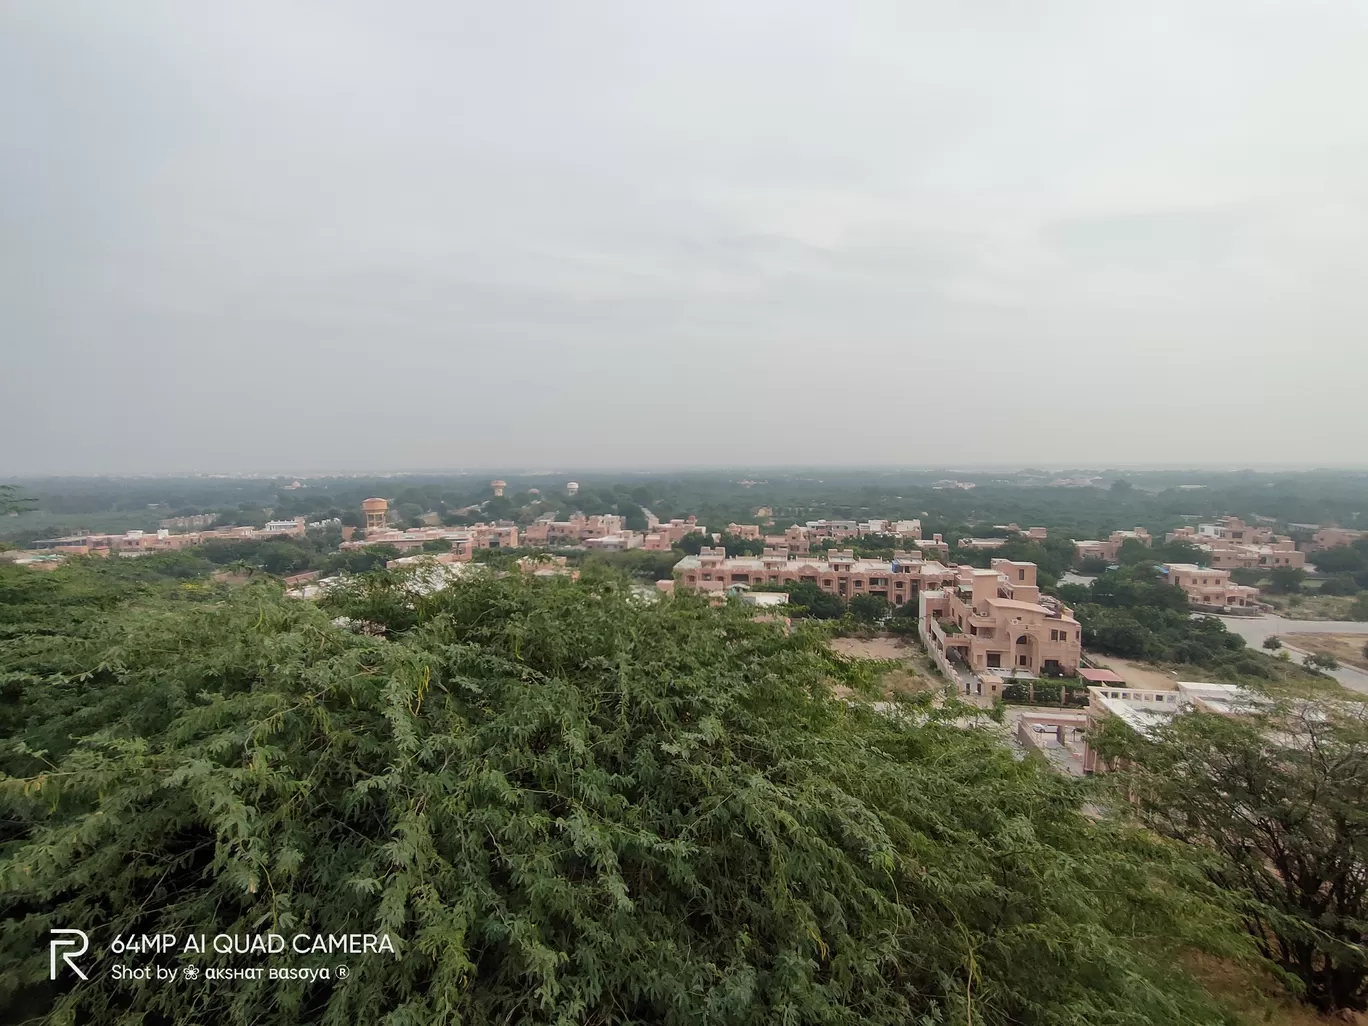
column 1101, row 676
column 1142, row 711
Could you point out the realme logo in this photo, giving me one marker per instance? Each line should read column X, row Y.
column 67, row 939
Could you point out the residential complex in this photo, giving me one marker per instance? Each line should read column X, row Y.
column 1333, row 537
column 799, row 537
column 995, row 622
column 130, row 543
column 1108, row 550
column 141, row 543
column 462, row 540
column 980, row 544
column 998, row 624
column 609, row 532
column 989, row 621
column 661, row 537
column 1233, row 544
column 937, row 548
column 1210, row 589
column 748, row 532
column 290, row 528
column 575, row 531
column 842, row 529
column 795, row 539
column 898, row 580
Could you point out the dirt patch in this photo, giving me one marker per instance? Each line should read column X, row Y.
column 1256, row 997
column 883, row 647
column 913, row 672
column 1347, row 648
column 1139, row 675
column 905, row 682
column 1311, row 607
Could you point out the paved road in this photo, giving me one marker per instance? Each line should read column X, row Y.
column 1254, row 629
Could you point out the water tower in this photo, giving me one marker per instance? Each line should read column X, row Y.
column 377, row 514
column 498, row 487
column 571, row 487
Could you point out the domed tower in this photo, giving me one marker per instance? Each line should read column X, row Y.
column 498, row 487
column 377, row 514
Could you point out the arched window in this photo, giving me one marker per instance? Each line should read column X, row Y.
column 1022, row 640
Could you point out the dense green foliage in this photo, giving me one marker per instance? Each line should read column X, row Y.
column 811, row 600
column 1345, row 559
column 13, row 500
column 869, row 608
column 563, row 804
column 1280, row 797
column 285, row 556
column 735, row 545
column 1133, row 551
column 643, row 564
column 640, row 563
column 1284, row 580
column 1134, row 614
column 1340, row 584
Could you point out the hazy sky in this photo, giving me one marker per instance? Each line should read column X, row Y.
column 290, row 235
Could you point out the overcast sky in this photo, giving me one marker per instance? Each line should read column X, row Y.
column 291, row 236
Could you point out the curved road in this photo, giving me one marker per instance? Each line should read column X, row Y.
column 1254, row 629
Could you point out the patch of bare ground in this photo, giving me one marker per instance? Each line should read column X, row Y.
column 913, row 671
column 906, row 682
column 1347, row 648
column 1139, row 675
column 1312, row 607
column 881, row 646
column 1257, row 998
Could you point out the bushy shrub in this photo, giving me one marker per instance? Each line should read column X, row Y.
column 563, row 805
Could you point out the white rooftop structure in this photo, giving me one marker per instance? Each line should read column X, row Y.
column 763, row 598
column 428, row 575
column 1228, row 699
column 1143, row 709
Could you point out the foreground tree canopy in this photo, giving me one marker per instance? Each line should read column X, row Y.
column 563, row 805
column 1280, row 794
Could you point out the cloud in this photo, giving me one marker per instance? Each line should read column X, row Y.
column 787, row 233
